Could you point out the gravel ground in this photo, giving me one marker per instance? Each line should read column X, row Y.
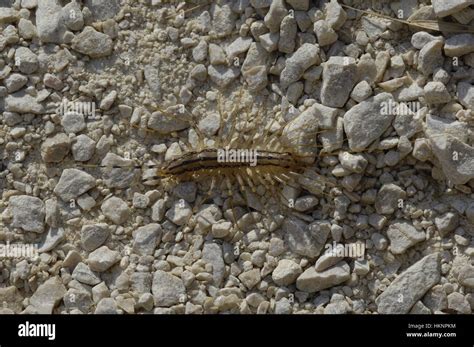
column 88, row 86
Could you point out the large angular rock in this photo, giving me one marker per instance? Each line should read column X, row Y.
column 465, row 94
column 300, row 132
column 459, row 45
column 72, row 16
column 311, row 281
column 102, row 259
column 49, row 21
column 54, row 149
column 118, row 172
column 8, row 15
column 78, row 299
column 325, row 34
column 443, row 8
column 146, row 238
column 238, row 46
column 288, row 31
column 446, row 223
column 250, row 278
column 179, row 213
column 73, row 122
column 26, row 60
column 152, row 77
column 212, row 254
column 116, row 210
column 367, row 121
column 421, row 38
column 306, row 56
column 275, row 15
column 28, row 213
column 223, row 19
column 286, row 272
column 166, row 124
column 388, row 198
column 335, row 14
column 339, row 78
column 15, row 82
column 167, row 289
column 448, row 143
column 223, row 75
column 92, row 43
column 436, row 93
column 303, row 239
column 403, row 235
column 94, row 235
column 51, row 240
column 21, row 102
column 48, row 296
column 431, row 57
column 410, row 286
column 73, row 183
column 255, row 66
column 84, row 274
column 83, row 148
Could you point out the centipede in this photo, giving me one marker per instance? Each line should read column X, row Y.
column 284, row 155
